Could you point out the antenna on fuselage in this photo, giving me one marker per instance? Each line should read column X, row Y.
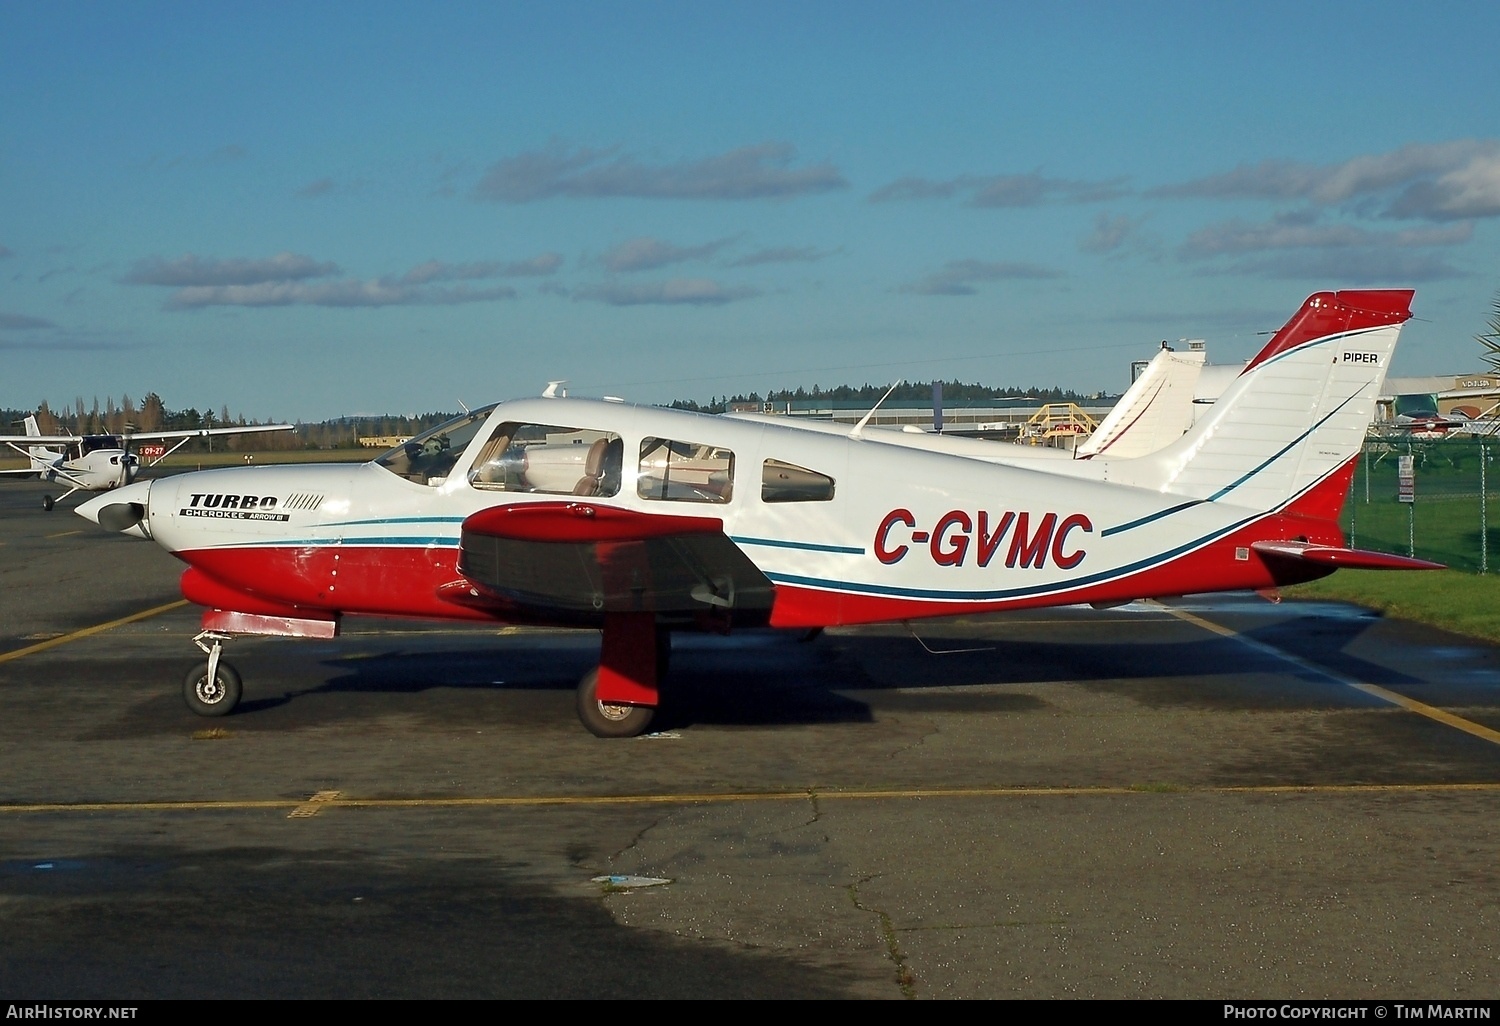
column 859, row 429
column 466, row 409
column 554, row 390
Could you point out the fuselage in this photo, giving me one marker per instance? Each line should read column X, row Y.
column 848, row 530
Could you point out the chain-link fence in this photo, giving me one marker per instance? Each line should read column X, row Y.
column 1429, row 498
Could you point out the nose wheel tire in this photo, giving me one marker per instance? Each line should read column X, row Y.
column 216, row 697
column 608, row 719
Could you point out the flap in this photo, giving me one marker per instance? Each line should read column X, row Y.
column 580, row 560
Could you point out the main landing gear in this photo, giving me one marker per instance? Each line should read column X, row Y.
column 214, row 688
column 619, row 697
column 610, row 719
column 48, row 502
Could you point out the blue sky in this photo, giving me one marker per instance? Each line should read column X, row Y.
column 307, row 210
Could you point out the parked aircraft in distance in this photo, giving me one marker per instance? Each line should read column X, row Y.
column 97, row 463
column 641, row 521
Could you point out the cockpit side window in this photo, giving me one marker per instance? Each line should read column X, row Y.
column 550, row 459
column 787, row 482
column 685, row 471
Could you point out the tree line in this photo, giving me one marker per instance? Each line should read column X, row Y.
column 954, row 392
column 152, row 414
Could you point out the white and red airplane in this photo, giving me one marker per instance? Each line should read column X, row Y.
column 640, row 521
column 98, row 463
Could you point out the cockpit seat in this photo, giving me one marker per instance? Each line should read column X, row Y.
column 593, row 469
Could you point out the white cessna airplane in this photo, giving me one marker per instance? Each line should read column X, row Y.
column 97, row 463
column 640, row 521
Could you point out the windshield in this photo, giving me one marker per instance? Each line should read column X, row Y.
column 427, row 458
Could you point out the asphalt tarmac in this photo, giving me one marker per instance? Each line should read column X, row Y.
column 1212, row 798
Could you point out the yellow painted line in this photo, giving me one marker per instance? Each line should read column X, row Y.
column 313, row 805
column 1374, row 690
column 64, row 534
column 333, row 799
column 6, row 657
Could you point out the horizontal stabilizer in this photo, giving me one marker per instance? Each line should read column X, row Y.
column 1346, row 559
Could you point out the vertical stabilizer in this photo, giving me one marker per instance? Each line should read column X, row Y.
column 1297, row 413
column 41, row 457
column 1155, row 411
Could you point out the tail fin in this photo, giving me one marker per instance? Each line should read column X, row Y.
column 1297, row 413
column 1155, row 410
column 41, row 457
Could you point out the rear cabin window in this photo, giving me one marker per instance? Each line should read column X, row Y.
column 787, row 482
column 685, row 471
column 550, row 459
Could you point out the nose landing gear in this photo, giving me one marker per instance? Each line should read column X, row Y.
column 214, row 688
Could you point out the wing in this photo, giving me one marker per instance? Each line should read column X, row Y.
column 575, row 561
column 136, row 436
column 149, row 435
column 40, row 439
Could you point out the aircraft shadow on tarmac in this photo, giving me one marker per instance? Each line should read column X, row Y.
column 771, row 678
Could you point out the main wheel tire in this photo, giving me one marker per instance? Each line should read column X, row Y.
column 48, row 503
column 608, row 719
column 212, row 698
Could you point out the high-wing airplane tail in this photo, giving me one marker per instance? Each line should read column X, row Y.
column 42, row 458
column 1295, row 416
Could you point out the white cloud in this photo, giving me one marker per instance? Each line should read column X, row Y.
column 21, row 322
column 645, row 253
column 763, row 171
column 191, row 270
column 1300, row 231
column 438, row 270
column 1109, row 233
column 347, row 293
column 289, row 279
column 673, row 292
column 1350, row 267
column 322, row 187
column 1025, row 190
column 782, row 255
column 957, row 277
column 1433, row 181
